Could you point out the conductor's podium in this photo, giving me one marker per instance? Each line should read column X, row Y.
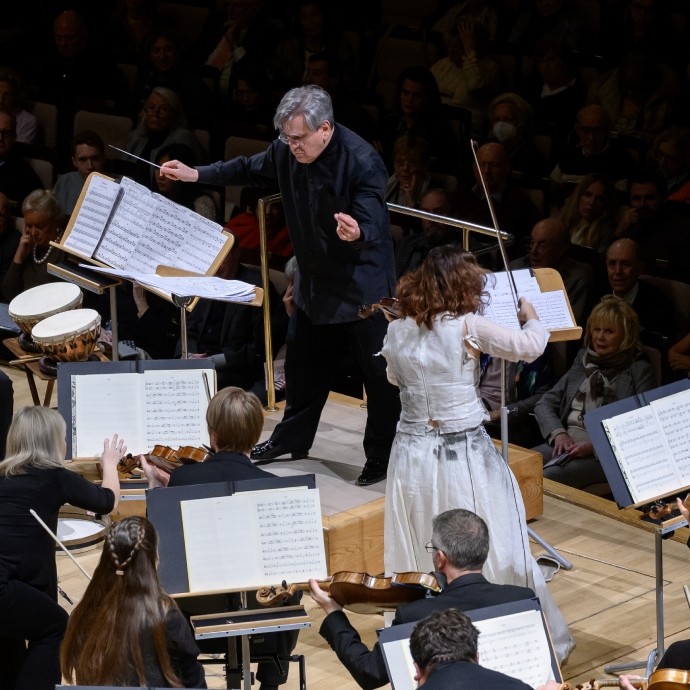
column 354, row 537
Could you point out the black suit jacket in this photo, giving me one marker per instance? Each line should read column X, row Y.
column 654, row 310
column 464, row 675
column 220, row 467
column 465, row 593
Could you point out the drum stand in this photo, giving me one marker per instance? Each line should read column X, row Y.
column 564, row 562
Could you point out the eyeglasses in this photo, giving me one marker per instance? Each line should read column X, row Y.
column 298, row 141
column 430, row 548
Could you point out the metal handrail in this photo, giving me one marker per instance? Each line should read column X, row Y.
column 466, row 227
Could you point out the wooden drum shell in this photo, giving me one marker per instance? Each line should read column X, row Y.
column 74, row 346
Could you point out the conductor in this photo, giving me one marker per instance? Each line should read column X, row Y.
column 333, row 187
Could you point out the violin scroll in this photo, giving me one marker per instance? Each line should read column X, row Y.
column 388, row 305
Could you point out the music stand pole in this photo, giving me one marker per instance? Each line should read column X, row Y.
column 113, row 324
column 183, row 303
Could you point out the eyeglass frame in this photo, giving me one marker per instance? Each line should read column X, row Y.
column 430, row 548
column 300, row 140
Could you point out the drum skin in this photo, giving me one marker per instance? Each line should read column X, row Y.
column 69, row 336
column 81, row 531
column 36, row 304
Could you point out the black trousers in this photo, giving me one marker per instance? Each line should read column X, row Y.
column 29, row 615
column 310, row 367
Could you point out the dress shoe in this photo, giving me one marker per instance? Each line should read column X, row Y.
column 268, row 450
column 374, row 471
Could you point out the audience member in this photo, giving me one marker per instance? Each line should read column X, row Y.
column 467, row 78
column 252, row 97
column 9, row 238
column 412, row 249
column 29, row 266
column 444, row 649
column 661, row 233
column 591, row 212
column 326, row 71
column 679, row 356
column 411, row 177
column 549, row 249
column 12, row 94
column 624, row 266
column 459, row 546
column 17, row 178
column 671, row 156
column 315, row 33
column 129, row 27
column 164, row 53
column 125, row 601
column 88, row 155
column 593, row 151
column 482, row 11
column 514, row 210
column 610, row 367
column 511, row 120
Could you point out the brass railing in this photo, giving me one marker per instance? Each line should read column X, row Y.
column 466, row 227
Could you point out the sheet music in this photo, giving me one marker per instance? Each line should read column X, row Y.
column 93, row 215
column 204, row 240
column 642, row 453
column 400, row 664
column 517, row 646
column 107, row 404
column 553, row 311
column 175, row 408
column 673, row 415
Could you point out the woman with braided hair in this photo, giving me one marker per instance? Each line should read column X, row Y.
column 124, row 602
column 33, row 476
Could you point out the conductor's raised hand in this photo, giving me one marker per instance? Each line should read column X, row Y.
column 526, row 311
column 179, row 171
column 156, row 477
column 112, row 453
column 322, row 598
column 348, row 228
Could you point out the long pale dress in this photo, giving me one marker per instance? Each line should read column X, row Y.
column 442, row 458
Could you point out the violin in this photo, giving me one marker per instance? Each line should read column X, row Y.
column 189, row 454
column 388, row 305
column 661, row 679
column 360, row 592
column 162, row 457
column 660, row 509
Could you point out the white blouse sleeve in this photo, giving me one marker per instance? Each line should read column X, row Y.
column 389, row 369
column 508, row 343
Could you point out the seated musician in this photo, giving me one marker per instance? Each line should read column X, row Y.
column 460, row 546
column 124, row 602
column 444, row 650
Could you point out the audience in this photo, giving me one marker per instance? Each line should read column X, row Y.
column 129, row 27
column 410, row 179
column 671, row 156
column 17, row 178
column 12, row 95
column 679, row 357
column 251, row 102
column 9, row 238
column 553, row 17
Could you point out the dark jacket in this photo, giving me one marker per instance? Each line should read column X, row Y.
column 17, row 180
column 9, row 241
column 464, row 675
column 335, row 277
column 223, row 466
column 465, row 593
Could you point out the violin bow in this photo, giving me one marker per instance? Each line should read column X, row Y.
column 492, row 211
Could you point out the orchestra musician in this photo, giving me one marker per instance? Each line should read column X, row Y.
column 33, row 476
column 333, row 186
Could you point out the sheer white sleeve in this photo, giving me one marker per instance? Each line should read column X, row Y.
column 507, row 343
column 389, row 369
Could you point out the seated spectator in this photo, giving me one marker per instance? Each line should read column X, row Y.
column 128, row 29
column 624, row 266
column 511, row 120
column 417, row 104
column 661, row 233
column 233, row 334
column 515, row 212
column 88, row 155
column 466, row 78
column 326, row 71
column 482, row 11
column 184, row 194
column 315, row 32
column 548, row 249
column 444, row 651
column 29, row 266
column 553, row 17
column 252, row 98
column 411, row 250
column 461, row 546
column 17, row 178
column 679, row 358
column 593, row 151
column 638, row 95
column 164, row 52
column 411, row 177
column 9, row 238
column 610, row 367
column 125, row 601
column 12, row 94
column 162, row 122
column 671, row 156
column 591, row 212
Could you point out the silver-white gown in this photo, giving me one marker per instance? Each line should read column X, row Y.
column 442, row 458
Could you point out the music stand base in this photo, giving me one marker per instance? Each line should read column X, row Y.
column 618, row 669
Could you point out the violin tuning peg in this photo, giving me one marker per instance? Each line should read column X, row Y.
column 284, row 584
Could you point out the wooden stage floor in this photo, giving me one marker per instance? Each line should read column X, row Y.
column 607, row 598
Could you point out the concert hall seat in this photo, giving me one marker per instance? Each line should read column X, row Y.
column 129, row 72
column 47, row 116
column 113, row 129
column 239, row 146
column 44, row 170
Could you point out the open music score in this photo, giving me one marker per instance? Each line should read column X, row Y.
column 221, row 537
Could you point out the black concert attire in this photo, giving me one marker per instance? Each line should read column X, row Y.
column 464, row 675
column 465, row 593
column 335, row 278
column 28, row 573
column 6, row 408
column 226, row 466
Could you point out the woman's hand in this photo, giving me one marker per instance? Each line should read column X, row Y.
column 179, row 171
column 683, row 510
column 562, row 444
column 288, row 299
column 409, row 188
column 625, row 684
column 466, row 31
column 156, row 477
column 581, row 450
column 140, row 300
column 678, row 362
column 112, row 453
column 26, row 245
column 527, row 311
column 322, row 598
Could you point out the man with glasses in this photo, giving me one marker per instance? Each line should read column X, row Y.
column 333, row 186
column 459, row 546
column 17, row 179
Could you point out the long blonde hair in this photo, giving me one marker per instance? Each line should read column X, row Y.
column 34, row 440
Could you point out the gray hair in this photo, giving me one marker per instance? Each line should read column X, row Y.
column 525, row 112
column 42, row 201
column 310, row 101
column 463, row 536
column 179, row 117
column 34, row 440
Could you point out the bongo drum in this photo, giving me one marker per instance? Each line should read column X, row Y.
column 79, row 531
column 34, row 305
column 71, row 336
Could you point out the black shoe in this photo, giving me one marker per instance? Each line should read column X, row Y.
column 268, row 450
column 374, row 471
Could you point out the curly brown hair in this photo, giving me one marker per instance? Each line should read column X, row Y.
column 449, row 280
